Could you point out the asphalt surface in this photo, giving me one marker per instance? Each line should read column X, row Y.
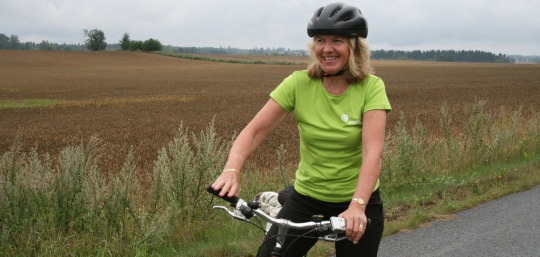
column 507, row 227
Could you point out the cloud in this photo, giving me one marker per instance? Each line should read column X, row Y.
column 505, row 26
column 499, row 26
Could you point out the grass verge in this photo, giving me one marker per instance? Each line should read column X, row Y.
column 27, row 103
column 418, row 204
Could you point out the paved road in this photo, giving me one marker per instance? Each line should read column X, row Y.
column 507, row 227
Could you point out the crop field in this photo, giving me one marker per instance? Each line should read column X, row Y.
column 139, row 100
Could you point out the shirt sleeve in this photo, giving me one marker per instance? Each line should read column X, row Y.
column 285, row 93
column 376, row 98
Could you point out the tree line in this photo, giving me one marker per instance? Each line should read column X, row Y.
column 13, row 43
column 237, row 51
column 441, row 55
column 96, row 41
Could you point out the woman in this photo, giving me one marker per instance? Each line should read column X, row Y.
column 340, row 109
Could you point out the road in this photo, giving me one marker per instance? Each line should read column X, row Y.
column 507, row 227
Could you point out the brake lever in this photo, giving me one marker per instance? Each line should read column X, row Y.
column 334, row 237
column 237, row 214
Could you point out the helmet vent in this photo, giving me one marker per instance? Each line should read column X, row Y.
column 347, row 16
column 335, row 12
column 319, row 12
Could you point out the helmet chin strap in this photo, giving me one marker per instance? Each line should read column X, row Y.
column 339, row 73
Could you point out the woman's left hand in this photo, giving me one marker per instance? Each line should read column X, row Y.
column 356, row 221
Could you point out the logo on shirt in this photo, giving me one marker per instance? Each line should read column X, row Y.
column 345, row 118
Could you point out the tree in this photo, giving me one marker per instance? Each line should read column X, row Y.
column 45, row 45
column 9, row 42
column 151, row 45
column 96, row 40
column 4, row 41
column 135, row 45
column 14, row 42
column 125, row 41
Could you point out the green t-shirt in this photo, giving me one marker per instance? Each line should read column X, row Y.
column 330, row 129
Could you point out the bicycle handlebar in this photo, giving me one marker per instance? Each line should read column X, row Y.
column 232, row 200
column 243, row 210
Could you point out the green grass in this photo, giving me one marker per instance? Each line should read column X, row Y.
column 27, row 103
column 417, row 204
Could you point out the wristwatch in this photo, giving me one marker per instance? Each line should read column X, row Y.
column 359, row 201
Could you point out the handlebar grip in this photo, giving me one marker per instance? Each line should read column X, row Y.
column 232, row 200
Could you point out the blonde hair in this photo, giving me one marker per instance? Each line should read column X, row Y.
column 358, row 67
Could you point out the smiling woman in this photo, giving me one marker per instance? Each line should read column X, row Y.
column 340, row 110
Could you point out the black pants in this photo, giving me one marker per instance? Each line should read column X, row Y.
column 300, row 208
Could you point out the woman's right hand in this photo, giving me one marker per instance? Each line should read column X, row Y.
column 228, row 182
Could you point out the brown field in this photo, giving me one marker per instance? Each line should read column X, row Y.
column 139, row 99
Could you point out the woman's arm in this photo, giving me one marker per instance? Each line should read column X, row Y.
column 266, row 120
column 373, row 135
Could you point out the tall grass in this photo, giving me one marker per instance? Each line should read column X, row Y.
column 423, row 175
column 68, row 207
column 487, row 137
column 65, row 205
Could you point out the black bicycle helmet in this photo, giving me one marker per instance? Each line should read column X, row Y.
column 338, row 19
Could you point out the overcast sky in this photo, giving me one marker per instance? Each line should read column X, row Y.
column 498, row 26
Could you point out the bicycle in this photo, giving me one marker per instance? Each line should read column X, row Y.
column 331, row 230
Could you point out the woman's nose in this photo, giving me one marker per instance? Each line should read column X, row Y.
column 328, row 48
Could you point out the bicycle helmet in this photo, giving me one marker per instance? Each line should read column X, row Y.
column 338, row 19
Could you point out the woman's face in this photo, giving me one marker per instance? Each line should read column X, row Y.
column 332, row 52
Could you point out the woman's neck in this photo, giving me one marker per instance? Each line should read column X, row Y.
column 335, row 85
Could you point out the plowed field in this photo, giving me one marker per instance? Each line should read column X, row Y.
column 139, row 99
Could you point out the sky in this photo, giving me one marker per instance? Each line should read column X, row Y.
column 510, row 27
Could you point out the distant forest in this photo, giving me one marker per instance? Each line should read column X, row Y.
column 13, row 43
column 441, row 55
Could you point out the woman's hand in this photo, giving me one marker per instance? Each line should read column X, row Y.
column 356, row 221
column 228, row 182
